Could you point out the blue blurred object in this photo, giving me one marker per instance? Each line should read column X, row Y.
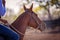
column 2, row 9
column 7, row 33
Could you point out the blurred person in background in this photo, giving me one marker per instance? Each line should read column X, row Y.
column 5, row 32
column 2, row 10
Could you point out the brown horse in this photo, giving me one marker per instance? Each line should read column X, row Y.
column 28, row 18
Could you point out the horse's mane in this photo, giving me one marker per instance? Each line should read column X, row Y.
column 20, row 19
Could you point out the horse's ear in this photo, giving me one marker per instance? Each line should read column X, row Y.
column 31, row 6
column 24, row 7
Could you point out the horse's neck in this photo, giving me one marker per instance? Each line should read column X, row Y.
column 21, row 23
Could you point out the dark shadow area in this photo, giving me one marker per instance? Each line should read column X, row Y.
column 54, row 32
column 52, row 24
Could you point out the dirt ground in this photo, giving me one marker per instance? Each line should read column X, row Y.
column 33, row 34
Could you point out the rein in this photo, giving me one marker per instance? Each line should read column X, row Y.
column 16, row 30
column 7, row 24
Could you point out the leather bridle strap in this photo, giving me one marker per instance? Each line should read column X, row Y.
column 16, row 29
column 32, row 15
column 11, row 26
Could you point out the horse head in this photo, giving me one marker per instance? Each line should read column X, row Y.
column 27, row 18
column 34, row 21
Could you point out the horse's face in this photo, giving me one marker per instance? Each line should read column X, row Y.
column 34, row 21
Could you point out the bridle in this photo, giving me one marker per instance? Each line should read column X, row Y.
column 39, row 25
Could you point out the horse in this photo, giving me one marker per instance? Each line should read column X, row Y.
column 28, row 18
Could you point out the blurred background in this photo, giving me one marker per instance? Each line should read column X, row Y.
column 44, row 8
